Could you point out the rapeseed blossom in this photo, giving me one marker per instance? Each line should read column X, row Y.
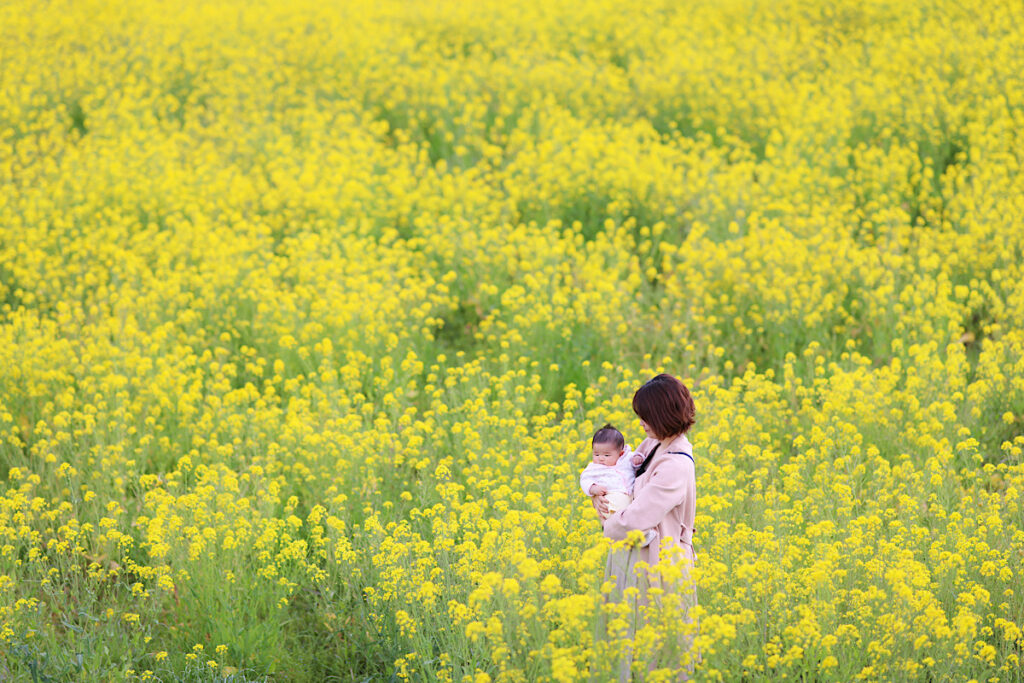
column 307, row 311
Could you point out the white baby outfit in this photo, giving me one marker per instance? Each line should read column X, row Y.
column 617, row 479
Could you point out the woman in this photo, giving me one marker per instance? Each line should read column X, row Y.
column 664, row 499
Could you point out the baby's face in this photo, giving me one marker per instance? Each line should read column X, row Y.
column 607, row 454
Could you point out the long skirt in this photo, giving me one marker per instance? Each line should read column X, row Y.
column 646, row 622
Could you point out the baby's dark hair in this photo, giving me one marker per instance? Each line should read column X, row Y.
column 609, row 434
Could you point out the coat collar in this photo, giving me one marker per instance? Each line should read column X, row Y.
column 680, row 443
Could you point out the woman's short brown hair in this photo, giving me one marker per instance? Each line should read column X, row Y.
column 665, row 404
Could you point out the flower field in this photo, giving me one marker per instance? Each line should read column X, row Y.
column 308, row 311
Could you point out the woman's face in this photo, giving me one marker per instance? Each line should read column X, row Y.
column 647, row 429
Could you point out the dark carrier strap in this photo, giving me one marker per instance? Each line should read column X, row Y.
column 683, row 453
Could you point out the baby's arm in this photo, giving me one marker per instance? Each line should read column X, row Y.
column 589, row 480
column 634, row 458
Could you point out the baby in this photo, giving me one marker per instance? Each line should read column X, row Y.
column 613, row 469
column 612, row 472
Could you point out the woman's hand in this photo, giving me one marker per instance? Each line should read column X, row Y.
column 600, row 504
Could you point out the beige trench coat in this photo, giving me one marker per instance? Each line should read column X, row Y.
column 664, row 498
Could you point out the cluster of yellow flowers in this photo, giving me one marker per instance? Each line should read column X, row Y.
column 307, row 313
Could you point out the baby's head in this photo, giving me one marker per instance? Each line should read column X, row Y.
column 608, row 444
